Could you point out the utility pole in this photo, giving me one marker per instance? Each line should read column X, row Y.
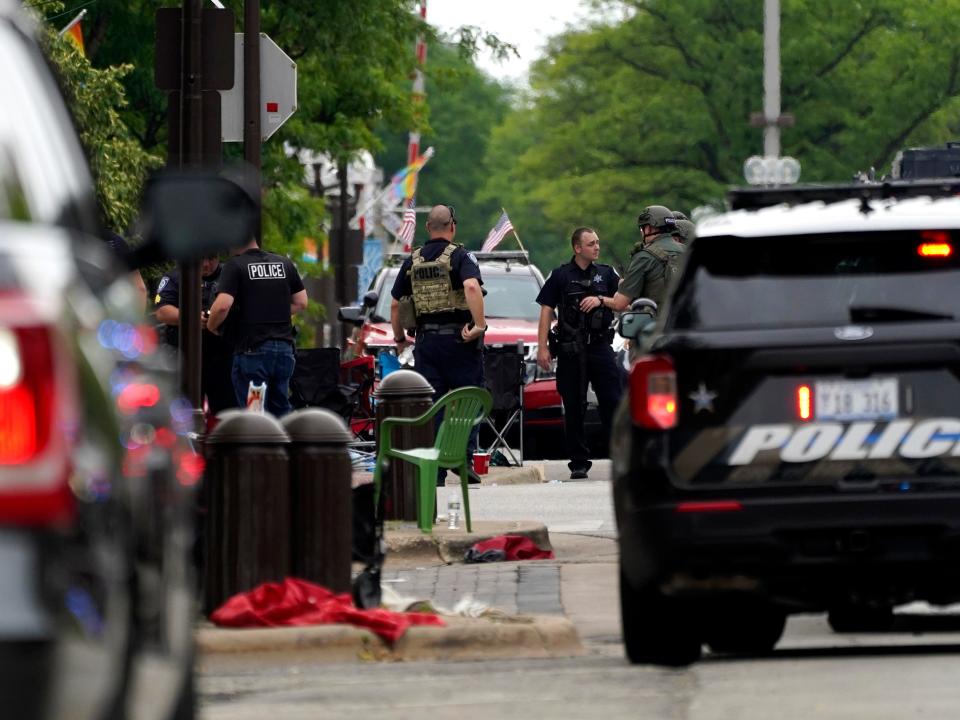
column 191, row 158
column 770, row 168
column 251, row 96
column 771, row 78
column 343, row 213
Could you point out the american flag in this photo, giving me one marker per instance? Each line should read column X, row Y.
column 407, row 228
column 497, row 234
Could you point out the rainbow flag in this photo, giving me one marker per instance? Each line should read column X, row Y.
column 404, row 182
column 74, row 32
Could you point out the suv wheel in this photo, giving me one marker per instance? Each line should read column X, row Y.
column 656, row 628
column 853, row 618
column 745, row 626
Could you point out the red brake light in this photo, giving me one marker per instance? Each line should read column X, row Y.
column 936, row 243
column 653, row 392
column 34, row 465
column 804, row 402
column 935, row 250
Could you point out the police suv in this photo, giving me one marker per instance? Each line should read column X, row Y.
column 791, row 440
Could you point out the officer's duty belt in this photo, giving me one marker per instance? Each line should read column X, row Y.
column 440, row 328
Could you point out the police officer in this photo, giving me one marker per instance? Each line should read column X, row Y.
column 217, row 358
column 582, row 293
column 655, row 259
column 259, row 291
column 443, row 280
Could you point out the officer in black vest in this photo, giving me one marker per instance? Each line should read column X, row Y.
column 259, row 292
column 216, row 366
column 582, row 293
column 444, row 283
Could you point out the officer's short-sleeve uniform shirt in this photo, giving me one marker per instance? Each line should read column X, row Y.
column 168, row 293
column 602, row 279
column 261, row 284
column 463, row 266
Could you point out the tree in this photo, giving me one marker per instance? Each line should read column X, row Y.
column 654, row 108
column 465, row 105
column 96, row 97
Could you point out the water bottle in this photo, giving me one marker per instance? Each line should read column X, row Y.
column 256, row 397
column 453, row 511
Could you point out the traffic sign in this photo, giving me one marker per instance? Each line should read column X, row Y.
column 278, row 91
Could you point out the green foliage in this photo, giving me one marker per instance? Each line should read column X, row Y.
column 96, row 96
column 654, row 108
column 465, row 105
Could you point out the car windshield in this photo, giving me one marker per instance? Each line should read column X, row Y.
column 811, row 280
column 508, row 295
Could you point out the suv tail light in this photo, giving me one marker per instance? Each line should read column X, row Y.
column 34, row 461
column 653, row 392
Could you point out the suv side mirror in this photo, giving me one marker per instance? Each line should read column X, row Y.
column 634, row 324
column 371, row 299
column 190, row 215
column 352, row 315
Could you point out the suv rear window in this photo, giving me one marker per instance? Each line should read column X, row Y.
column 810, row 280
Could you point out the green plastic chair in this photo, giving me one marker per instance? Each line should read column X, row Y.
column 463, row 408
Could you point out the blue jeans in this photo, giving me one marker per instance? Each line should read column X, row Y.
column 271, row 362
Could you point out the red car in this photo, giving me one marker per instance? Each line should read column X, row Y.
column 511, row 283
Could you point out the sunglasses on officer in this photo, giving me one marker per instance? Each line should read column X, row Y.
column 453, row 215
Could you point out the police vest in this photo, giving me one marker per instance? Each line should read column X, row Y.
column 432, row 284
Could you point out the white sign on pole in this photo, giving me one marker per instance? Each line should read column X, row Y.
column 278, row 91
column 392, row 222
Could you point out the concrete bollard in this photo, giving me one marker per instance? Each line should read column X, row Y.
column 248, row 515
column 404, row 393
column 321, row 494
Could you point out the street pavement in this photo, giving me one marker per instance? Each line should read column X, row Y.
column 814, row 673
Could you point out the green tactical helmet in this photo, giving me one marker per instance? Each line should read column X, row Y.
column 679, row 215
column 658, row 217
column 686, row 229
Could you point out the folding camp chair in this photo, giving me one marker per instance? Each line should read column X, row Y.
column 504, row 372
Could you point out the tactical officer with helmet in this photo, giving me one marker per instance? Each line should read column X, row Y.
column 686, row 230
column 581, row 292
column 655, row 260
column 438, row 296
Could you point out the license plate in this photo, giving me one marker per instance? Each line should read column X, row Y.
column 877, row 399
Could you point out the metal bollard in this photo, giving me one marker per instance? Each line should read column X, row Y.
column 404, row 393
column 248, row 517
column 321, row 493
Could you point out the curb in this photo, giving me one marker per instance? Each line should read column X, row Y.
column 521, row 636
column 406, row 542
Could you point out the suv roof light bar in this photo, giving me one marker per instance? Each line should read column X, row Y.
column 759, row 197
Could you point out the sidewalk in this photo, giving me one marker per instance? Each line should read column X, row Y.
column 537, row 609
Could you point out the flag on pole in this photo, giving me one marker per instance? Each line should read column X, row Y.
column 404, row 182
column 74, row 32
column 407, row 228
column 497, row 233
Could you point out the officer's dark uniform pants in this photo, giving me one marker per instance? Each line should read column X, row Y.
column 447, row 364
column 601, row 371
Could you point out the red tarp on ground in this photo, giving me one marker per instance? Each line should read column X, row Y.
column 298, row 602
column 507, row 547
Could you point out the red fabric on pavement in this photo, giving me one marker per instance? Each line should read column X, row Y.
column 515, row 547
column 298, row 602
